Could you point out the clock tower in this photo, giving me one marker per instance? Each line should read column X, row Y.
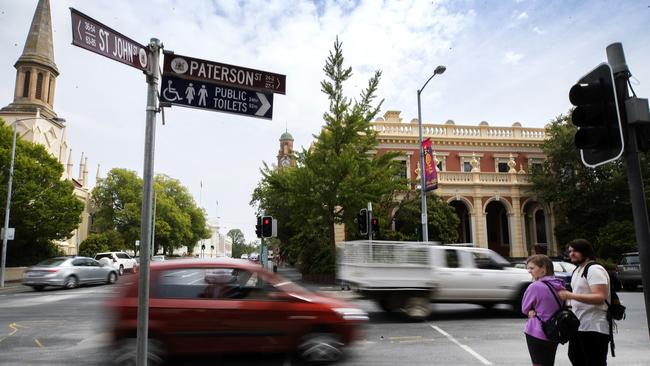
column 285, row 155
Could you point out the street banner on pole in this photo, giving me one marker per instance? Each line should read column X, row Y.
column 203, row 95
column 430, row 173
column 96, row 37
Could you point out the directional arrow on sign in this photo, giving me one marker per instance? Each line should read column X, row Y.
column 265, row 105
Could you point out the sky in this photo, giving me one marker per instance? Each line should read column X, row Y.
column 507, row 61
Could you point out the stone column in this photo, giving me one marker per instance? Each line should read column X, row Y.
column 33, row 76
column 20, row 79
column 45, row 90
column 52, row 87
column 517, row 248
column 478, row 223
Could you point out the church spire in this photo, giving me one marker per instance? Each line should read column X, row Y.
column 36, row 71
column 39, row 47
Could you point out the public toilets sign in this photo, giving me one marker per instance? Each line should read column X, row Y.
column 222, row 98
column 96, row 37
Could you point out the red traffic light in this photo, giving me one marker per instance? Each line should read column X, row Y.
column 267, row 226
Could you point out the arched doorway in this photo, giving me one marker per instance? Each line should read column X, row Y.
column 498, row 229
column 464, row 227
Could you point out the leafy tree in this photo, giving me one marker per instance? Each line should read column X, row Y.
column 117, row 201
column 588, row 203
column 109, row 241
column 333, row 179
column 239, row 245
column 181, row 222
column 117, row 205
column 43, row 206
column 442, row 219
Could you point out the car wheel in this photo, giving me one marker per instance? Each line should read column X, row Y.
column 121, row 270
column 320, row 347
column 387, row 305
column 71, row 282
column 127, row 352
column 417, row 308
column 112, row 278
column 38, row 287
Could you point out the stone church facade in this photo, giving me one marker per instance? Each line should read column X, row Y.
column 32, row 111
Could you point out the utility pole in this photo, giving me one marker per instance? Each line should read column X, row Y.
column 616, row 58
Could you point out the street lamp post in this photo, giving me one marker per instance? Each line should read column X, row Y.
column 8, row 207
column 425, row 230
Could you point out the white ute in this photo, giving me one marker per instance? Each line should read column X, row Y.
column 408, row 276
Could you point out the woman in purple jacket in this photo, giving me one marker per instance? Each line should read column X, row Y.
column 539, row 303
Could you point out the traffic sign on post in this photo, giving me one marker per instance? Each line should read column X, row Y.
column 96, row 37
column 600, row 134
column 215, row 72
column 212, row 96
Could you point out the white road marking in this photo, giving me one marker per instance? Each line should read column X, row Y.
column 463, row 346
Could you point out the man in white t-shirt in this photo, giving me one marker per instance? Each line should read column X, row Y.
column 589, row 346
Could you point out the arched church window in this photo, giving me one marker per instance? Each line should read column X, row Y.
column 28, row 75
column 39, row 86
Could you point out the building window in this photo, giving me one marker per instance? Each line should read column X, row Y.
column 39, row 86
column 467, row 159
column 28, row 75
column 401, row 174
column 502, row 167
column 439, row 165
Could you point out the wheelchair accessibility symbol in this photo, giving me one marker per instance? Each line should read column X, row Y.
column 170, row 93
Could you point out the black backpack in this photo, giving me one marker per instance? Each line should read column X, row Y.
column 615, row 310
column 562, row 325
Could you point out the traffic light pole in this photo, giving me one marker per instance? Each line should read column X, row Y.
column 616, row 59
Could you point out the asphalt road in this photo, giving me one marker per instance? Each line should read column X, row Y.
column 68, row 327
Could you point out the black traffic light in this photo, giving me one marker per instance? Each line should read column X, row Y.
column 362, row 220
column 375, row 225
column 258, row 227
column 267, row 226
column 599, row 136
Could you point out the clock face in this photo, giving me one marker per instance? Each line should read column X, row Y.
column 286, row 161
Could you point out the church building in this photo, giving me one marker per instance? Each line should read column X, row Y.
column 32, row 111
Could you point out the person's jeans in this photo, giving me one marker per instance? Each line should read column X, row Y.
column 588, row 349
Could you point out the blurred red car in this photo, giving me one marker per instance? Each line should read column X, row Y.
column 232, row 306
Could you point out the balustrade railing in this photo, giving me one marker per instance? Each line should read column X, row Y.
column 483, row 178
column 481, row 131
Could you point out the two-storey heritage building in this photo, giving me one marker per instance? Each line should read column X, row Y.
column 483, row 172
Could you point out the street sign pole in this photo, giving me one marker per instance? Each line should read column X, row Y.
column 153, row 76
column 616, row 59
